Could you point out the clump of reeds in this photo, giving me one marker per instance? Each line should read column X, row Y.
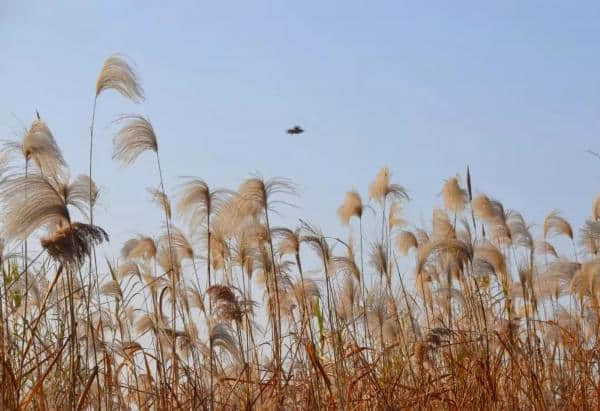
column 476, row 308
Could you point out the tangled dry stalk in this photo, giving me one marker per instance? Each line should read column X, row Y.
column 219, row 311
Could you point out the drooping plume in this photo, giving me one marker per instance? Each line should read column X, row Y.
column 31, row 203
column 221, row 335
column 72, row 243
column 135, row 137
column 405, row 241
column 197, row 201
column 141, row 247
column 117, row 74
column 554, row 224
column 160, row 198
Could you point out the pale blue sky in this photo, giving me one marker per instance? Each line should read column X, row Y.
column 511, row 88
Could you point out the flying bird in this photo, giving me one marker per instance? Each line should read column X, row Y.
column 295, row 130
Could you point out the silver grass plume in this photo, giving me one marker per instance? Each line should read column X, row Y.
column 135, row 137
column 40, row 147
column 117, row 74
column 31, row 202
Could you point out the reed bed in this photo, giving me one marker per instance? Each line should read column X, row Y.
column 223, row 310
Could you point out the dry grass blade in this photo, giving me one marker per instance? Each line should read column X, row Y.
column 86, row 389
column 314, row 359
column 40, row 381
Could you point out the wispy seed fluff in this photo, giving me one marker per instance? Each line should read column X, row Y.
column 352, row 207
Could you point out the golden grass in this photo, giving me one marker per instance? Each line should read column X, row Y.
column 222, row 310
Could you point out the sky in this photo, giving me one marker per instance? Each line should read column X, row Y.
column 510, row 88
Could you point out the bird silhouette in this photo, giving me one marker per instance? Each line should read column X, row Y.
column 295, row 130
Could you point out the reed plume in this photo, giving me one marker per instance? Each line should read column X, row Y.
column 405, row 241
column 30, row 203
column 118, row 75
column 454, row 196
column 135, row 137
column 380, row 188
column 554, row 224
column 70, row 244
column 140, row 247
column 352, row 207
column 40, row 147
